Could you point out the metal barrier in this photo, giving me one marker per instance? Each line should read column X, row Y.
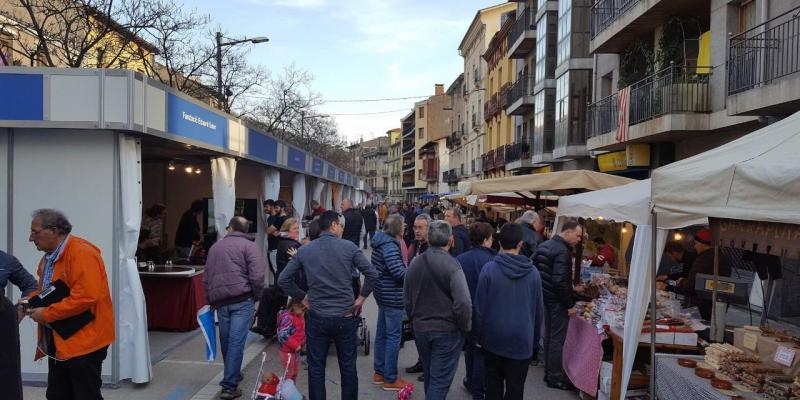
column 521, row 88
column 673, row 89
column 605, row 12
column 603, row 116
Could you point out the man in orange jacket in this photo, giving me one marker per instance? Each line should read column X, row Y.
column 75, row 362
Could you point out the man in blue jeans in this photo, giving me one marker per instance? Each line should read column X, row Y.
column 233, row 279
column 437, row 300
column 327, row 263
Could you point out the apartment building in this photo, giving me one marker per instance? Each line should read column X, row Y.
column 433, row 130
column 472, row 47
column 394, row 191
column 409, row 154
column 676, row 78
column 497, row 82
column 458, row 163
column 376, row 170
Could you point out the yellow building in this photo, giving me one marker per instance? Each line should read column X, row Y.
column 499, row 126
column 394, row 166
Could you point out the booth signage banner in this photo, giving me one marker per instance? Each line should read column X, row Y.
column 316, row 166
column 23, row 97
column 616, row 161
column 331, row 172
column 192, row 121
column 262, row 146
column 296, row 159
column 543, row 170
column 341, row 176
column 773, row 238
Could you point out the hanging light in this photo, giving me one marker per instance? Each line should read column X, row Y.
column 171, row 166
column 188, row 169
column 678, row 236
column 600, row 218
column 624, row 230
column 197, row 171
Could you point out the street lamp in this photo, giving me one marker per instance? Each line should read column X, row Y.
column 220, row 45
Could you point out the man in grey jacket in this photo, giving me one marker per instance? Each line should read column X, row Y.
column 333, row 316
column 437, row 300
column 233, row 279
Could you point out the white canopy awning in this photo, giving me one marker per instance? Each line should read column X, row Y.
column 756, row 177
column 562, row 182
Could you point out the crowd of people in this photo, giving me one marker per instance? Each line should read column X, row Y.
column 449, row 276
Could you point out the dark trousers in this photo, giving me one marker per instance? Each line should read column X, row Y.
column 475, row 371
column 439, row 352
column 505, row 377
column 10, row 369
column 77, row 378
column 556, row 321
column 368, row 238
column 320, row 330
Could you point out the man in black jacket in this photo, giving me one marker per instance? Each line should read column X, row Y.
column 460, row 233
column 353, row 221
column 370, row 224
column 553, row 258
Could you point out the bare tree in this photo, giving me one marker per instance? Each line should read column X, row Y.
column 286, row 97
column 73, row 33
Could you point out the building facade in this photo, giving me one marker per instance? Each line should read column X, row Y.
column 497, row 82
column 458, row 163
column 394, row 191
column 677, row 78
column 433, row 116
column 472, row 47
column 408, row 157
column 376, row 169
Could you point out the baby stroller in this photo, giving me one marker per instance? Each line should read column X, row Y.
column 364, row 340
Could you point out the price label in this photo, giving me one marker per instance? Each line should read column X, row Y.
column 750, row 341
column 784, row 356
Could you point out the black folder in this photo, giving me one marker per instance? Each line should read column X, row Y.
column 54, row 293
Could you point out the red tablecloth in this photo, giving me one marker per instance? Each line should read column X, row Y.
column 172, row 303
column 583, row 355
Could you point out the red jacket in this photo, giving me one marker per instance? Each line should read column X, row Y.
column 291, row 331
column 605, row 254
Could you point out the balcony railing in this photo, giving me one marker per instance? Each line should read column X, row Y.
column 451, row 175
column 603, row 116
column 408, row 130
column 605, row 12
column 476, row 165
column 503, row 97
column 524, row 22
column 671, row 90
column 518, row 151
column 764, row 53
column 521, row 88
column 487, row 161
column 500, row 156
column 408, row 148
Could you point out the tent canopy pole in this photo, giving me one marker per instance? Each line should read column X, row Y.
column 654, row 261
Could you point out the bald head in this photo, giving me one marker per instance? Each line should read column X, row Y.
column 239, row 224
column 347, row 204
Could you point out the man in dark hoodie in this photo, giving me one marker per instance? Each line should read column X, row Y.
column 508, row 317
column 553, row 258
column 472, row 262
column 370, row 217
column 460, row 234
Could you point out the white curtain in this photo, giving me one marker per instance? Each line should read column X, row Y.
column 338, row 195
column 640, row 281
column 299, row 198
column 223, row 185
column 319, row 184
column 327, row 196
column 270, row 188
column 134, row 345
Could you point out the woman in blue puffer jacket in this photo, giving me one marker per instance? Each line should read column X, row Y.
column 388, row 261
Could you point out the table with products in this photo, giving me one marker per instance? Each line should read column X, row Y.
column 173, row 296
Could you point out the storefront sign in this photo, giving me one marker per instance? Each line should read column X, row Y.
column 341, row 176
column 543, row 170
column 616, row 161
column 316, row 166
column 262, row 146
column 331, row 172
column 296, row 159
column 22, row 98
column 192, row 121
column 637, row 155
column 773, row 238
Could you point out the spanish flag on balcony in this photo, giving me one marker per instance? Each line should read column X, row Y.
column 704, row 54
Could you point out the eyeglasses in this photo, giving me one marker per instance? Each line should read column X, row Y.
column 37, row 231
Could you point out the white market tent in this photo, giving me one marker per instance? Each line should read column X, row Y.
column 527, row 186
column 756, row 177
column 630, row 203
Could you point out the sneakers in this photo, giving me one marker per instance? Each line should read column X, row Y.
column 228, row 394
column 377, row 379
column 395, row 386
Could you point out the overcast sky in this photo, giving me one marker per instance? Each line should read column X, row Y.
column 356, row 49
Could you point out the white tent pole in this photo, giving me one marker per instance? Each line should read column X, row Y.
column 654, row 268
